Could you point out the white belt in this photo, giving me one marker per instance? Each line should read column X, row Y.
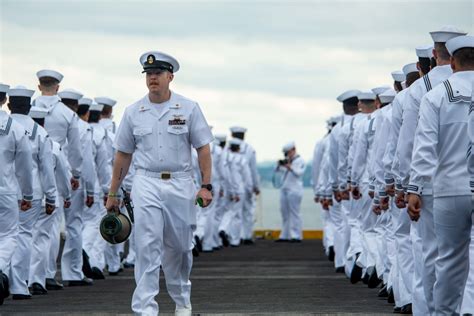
column 164, row 175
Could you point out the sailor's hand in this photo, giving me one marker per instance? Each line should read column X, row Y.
column 372, row 194
column 337, row 196
column 390, row 189
column 384, row 203
column 113, row 204
column 316, row 199
column 49, row 208
column 25, row 205
column 205, row 195
column 236, row 198
column 400, row 199
column 345, row 195
column 356, row 193
column 89, row 200
column 256, row 191
column 74, row 184
column 414, row 206
column 376, row 209
column 67, row 203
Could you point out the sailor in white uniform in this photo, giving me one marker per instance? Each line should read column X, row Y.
column 44, row 185
column 159, row 131
column 291, row 194
column 439, row 157
column 16, row 173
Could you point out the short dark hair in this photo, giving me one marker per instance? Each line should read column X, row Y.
column 94, row 116
column 48, row 82
column 412, row 77
column 425, row 64
column 441, row 51
column 106, row 110
column 397, row 85
column 82, row 109
column 464, row 57
column 70, row 103
column 238, row 135
column 3, row 96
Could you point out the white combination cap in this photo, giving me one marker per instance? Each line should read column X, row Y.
column 158, row 60
column 288, row 146
column 235, row 141
column 367, row 95
column 398, row 75
column 85, row 101
column 221, row 137
column 70, row 94
column 379, row 90
column 347, row 95
column 409, row 68
column 105, row 101
column 424, row 51
column 238, row 129
column 387, row 96
column 446, row 33
column 459, row 42
column 96, row 106
column 38, row 112
column 50, row 73
column 20, row 91
column 4, row 88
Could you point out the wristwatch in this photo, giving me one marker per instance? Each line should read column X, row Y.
column 208, row 187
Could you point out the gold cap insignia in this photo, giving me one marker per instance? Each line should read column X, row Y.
column 150, row 59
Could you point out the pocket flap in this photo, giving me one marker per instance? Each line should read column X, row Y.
column 177, row 129
column 142, row 131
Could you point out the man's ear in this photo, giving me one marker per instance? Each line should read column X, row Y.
column 171, row 77
column 453, row 63
column 57, row 88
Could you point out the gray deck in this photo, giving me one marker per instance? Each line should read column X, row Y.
column 267, row 278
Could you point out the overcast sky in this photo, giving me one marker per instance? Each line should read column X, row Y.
column 274, row 67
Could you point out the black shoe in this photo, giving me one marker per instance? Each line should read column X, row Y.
column 116, row 272
column 234, row 246
column 128, row 265
column 374, row 280
column 397, row 310
column 340, row 270
column 37, row 289
column 225, row 239
column 406, row 309
column 332, row 254
column 198, row 243
column 207, row 251
column 53, row 285
column 6, row 286
column 383, row 292
column 356, row 274
column 86, row 267
column 83, row 282
column 17, row 297
column 3, row 290
column 248, row 242
column 365, row 278
column 296, row 240
column 282, row 240
column 217, row 248
column 391, row 297
column 97, row 274
column 195, row 251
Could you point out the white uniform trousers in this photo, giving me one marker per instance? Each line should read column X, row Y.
column 222, row 208
column 467, row 306
column 20, row 263
column 92, row 242
column 367, row 233
column 163, row 235
column 208, row 241
column 341, row 233
column 235, row 225
column 381, row 230
column 292, row 225
column 54, row 245
column 130, row 259
column 71, row 260
column 354, row 220
column 328, row 231
column 419, row 306
column 40, row 247
column 406, row 265
column 430, row 249
column 8, row 229
column 453, row 224
column 390, row 243
column 201, row 215
column 248, row 215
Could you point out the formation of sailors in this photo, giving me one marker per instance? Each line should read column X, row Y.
column 57, row 153
column 394, row 174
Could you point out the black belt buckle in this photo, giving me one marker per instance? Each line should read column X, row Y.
column 165, row 175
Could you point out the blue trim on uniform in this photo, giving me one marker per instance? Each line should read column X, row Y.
column 389, row 181
column 28, row 198
column 34, row 132
column 451, row 97
column 51, row 201
column 6, row 131
column 427, row 81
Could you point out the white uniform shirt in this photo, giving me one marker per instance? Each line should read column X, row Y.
column 333, row 153
column 87, row 167
column 108, row 124
column 410, row 116
column 346, row 150
column 44, row 183
column 251, row 157
column 15, row 158
column 61, row 172
column 318, row 154
column 293, row 180
column 441, row 144
column 239, row 173
column 382, row 130
column 102, row 160
column 61, row 125
column 216, row 154
column 363, row 151
column 162, row 141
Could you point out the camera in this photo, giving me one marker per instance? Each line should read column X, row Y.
column 283, row 162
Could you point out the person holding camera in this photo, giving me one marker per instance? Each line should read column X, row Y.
column 291, row 194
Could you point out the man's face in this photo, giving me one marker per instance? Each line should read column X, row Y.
column 158, row 81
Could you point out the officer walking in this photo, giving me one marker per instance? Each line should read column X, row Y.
column 159, row 130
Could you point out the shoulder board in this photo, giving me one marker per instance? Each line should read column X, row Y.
column 427, row 82
column 8, row 125
column 450, row 93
